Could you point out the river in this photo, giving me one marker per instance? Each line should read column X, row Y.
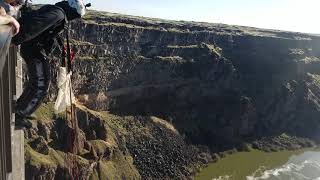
column 258, row 165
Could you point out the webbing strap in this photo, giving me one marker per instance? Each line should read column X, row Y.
column 68, row 65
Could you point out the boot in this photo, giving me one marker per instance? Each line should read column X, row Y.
column 22, row 122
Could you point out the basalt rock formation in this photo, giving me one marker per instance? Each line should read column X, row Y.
column 108, row 147
column 213, row 82
column 172, row 93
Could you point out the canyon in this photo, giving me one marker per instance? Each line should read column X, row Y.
column 160, row 99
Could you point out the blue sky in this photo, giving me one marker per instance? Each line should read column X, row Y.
column 292, row 15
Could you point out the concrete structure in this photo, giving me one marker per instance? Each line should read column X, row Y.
column 11, row 139
column 18, row 170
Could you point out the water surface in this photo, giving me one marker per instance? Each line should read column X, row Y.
column 256, row 165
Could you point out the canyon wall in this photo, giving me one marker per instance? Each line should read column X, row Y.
column 214, row 82
column 159, row 99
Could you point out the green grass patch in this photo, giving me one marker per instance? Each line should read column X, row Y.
column 86, row 58
column 36, row 159
column 45, row 112
column 99, row 145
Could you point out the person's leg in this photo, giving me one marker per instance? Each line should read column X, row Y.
column 38, row 81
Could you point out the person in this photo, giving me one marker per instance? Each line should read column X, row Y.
column 38, row 34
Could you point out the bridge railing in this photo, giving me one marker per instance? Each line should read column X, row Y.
column 7, row 95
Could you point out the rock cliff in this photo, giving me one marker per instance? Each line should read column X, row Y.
column 108, row 147
column 212, row 81
column 167, row 95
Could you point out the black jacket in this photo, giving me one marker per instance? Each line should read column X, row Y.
column 41, row 26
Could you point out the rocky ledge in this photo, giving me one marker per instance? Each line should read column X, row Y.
column 108, row 147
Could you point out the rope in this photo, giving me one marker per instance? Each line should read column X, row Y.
column 71, row 117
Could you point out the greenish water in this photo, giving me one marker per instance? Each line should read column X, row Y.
column 240, row 165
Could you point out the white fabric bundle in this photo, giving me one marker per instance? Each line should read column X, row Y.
column 65, row 91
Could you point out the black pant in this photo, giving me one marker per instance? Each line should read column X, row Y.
column 38, row 79
column 39, row 26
